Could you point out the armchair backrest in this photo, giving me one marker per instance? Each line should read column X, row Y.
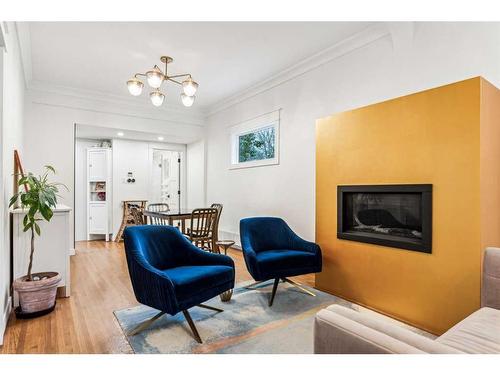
column 158, row 246
column 265, row 233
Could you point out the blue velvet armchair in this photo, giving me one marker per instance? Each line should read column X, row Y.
column 170, row 274
column 273, row 251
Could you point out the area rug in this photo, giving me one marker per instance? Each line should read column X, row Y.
column 247, row 325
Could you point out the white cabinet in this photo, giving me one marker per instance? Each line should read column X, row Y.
column 97, row 218
column 52, row 248
column 97, row 165
column 99, row 192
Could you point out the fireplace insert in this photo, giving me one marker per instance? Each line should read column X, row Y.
column 390, row 215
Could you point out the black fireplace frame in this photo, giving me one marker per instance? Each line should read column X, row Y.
column 424, row 245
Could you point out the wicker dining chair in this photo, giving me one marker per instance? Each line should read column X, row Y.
column 158, row 207
column 139, row 218
column 202, row 225
column 215, row 232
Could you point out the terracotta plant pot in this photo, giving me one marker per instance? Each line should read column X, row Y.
column 40, row 295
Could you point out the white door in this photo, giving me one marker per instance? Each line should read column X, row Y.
column 165, row 176
column 97, row 165
column 97, row 218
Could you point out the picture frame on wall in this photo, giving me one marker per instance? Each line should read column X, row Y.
column 255, row 142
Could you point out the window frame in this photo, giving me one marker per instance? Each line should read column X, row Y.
column 270, row 120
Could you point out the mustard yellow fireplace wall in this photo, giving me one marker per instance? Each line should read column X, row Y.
column 448, row 137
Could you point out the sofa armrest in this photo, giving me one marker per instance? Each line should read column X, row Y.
column 336, row 334
column 298, row 243
column 490, row 289
column 362, row 333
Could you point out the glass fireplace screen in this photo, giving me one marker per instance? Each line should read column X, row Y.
column 391, row 215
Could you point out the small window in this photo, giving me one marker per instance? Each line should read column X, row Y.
column 256, row 145
column 255, row 142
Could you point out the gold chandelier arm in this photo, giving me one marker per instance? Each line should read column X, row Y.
column 173, row 80
column 139, row 74
column 180, row 75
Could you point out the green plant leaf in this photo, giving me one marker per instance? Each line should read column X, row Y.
column 50, row 168
column 13, row 199
column 37, row 228
column 46, row 212
column 32, row 211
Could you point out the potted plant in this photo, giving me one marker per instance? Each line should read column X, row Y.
column 38, row 196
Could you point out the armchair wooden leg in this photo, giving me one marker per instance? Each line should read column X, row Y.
column 210, row 307
column 275, row 287
column 145, row 324
column 299, row 286
column 192, row 326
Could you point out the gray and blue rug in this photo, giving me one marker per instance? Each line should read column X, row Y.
column 247, row 325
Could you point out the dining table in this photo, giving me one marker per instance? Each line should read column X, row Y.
column 170, row 216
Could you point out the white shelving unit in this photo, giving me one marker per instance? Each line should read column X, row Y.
column 99, row 192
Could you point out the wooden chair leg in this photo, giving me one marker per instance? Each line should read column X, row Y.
column 192, row 326
column 275, row 287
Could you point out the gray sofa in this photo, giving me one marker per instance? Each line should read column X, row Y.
column 340, row 330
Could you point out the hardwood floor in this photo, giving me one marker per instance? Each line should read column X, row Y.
column 84, row 322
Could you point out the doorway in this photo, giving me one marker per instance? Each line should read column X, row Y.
column 166, row 177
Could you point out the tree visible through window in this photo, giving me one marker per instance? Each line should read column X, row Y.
column 257, row 145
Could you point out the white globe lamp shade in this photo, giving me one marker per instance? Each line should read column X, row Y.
column 189, row 86
column 135, row 86
column 156, row 98
column 155, row 77
column 187, row 100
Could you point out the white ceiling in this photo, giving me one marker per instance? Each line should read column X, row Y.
column 224, row 58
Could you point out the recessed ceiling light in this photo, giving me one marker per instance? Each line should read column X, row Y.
column 160, row 138
column 120, row 134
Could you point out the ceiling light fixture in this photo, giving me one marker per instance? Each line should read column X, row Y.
column 156, row 77
column 156, row 98
column 160, row 138
column 120, row 134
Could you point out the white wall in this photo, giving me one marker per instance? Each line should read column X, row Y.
column 49, row 129
column 81, row 186
column 406, row 60
column 12, row 91
column 136, row 157
column 196, row 174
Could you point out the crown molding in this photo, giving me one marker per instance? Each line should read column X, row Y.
column 348, row 45
column 76, row 98
column 402, row 35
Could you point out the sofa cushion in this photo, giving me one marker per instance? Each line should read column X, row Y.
column 391, row 329
column 478, row 333
column 192, row 280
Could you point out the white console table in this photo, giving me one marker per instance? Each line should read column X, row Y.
column 52, row 248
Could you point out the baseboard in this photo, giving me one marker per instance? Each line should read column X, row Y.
column 5, row 319
column 227, row 235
